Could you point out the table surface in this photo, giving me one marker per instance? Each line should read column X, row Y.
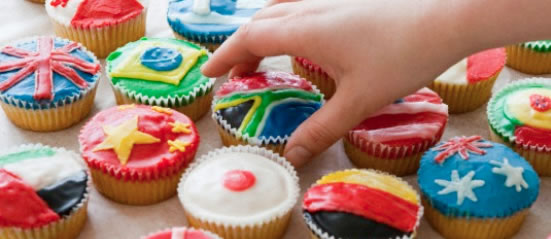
column 108, row 219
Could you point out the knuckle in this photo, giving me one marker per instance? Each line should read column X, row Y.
column 319, row 134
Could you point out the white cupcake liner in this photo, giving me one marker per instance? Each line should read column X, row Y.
column 317, row 231
column 208, row 233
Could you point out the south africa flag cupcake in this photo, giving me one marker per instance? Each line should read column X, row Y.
column 263, row 108
column 43, row 193
column 520, row 116
column 361, row 204
column 532, row 57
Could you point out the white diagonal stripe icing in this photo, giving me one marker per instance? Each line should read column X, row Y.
column 456, row 74
column 178, row 233
column 413, row 108
column 211, row 18
column 424, row 131
column 250, row 4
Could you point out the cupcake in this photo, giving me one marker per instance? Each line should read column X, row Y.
column 47, row 83
column 241, row 192
column 520, row 117
column 136, row 154
column 530, row 57
column 361, row 203
column 209, row 22
column 473, row 188
column 263, row 108
column 100, row 25
column 313, row 73
column 468, row 84
column 161, row 72
column 394, row 138
column 43, row 193
column 182, row 233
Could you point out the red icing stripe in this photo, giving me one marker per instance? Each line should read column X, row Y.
column 526, row 135
column 262, row 80
column 100, row 13
column 485, row 64
column 364, row 201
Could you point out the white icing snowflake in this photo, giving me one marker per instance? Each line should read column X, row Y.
column 513, row 174
column 463, row 186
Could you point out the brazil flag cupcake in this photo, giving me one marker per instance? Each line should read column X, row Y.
column 530, row 57
column 473, row 188
column 47, row 83
column 263, row 108
column 361, row 204
column 161, row 72
column 313, row 73
column 520, row 116
column 43, row 193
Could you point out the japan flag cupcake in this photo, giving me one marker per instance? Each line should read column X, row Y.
column 182, row 233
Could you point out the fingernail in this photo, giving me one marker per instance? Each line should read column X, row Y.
column 298, row 156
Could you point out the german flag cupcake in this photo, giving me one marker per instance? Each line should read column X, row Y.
column 182, row 233
column 530, row 57
column 473, row 188
column 361, row 204
column 313, row 73
column 136, row 154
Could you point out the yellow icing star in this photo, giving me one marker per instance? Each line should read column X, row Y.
column 177, row 145
column 125, row 107
column 179, row 127
column 162, row 110
column 122, row 138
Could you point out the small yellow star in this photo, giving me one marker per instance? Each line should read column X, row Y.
column 122, row 138
column 179, row 127
column 177, row 145
column 125, row 107
column 162, row 110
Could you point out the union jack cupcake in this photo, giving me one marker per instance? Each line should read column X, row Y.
column 530, row 57
column 313, row 73
column 394, row 138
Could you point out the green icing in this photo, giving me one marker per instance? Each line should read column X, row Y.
column 190, row 82
column 539, row 46
column 26, row 154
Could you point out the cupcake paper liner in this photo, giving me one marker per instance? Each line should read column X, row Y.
column 104, row 40
column 270, row 228
column 211, row 44
column 315, row 75
column 229, row 139
column 208, row 233
column 526, row 60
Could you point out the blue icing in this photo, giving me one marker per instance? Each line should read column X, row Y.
column 284, row 118
column 161, row 58
column 494, row 198
column 62, row 87
column 204, row 32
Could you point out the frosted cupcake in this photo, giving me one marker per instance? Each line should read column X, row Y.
column 161, row 72
column 43, row 193
column 394, row 138
column 100, row 25
column 210, row 22
column 361, row 204
column 182, row 233
column 530, row 57
column 313, row 73
column 468, row 84
column 263, row 108
column 520, row 116
column 240, row 192
column 473, row 188
column 136, row 154
column 47, row 83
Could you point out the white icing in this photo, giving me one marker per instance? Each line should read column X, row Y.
column 457, row 74
column 462, row 186
column 203, row 192
column 211, row 18
column 513, row 174
column 42, row 172
column 178, row 233
column 423, row 130
column 250, row 4
column 64, row 15
column 413, row 108
column 201, row 7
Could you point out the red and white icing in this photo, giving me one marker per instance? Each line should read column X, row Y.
column 462, row 146
column 540, row 103
column 421, row 116
column 94, row 13
column 43, row 62
column 527, row 136
column 477, row 67
column 182, row 233
column 264, row 80
column 239, row 180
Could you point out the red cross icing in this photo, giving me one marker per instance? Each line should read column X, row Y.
column 462, row 145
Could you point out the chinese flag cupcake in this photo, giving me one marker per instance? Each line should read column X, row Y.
column 136, row 154
column 393, row 139
column 468, row 84
column 313, row 73
column 182, row 233
column 530, row 57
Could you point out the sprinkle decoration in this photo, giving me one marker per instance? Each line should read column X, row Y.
column 540, row 103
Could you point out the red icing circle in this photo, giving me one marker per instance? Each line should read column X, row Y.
column 100, row 13
column 540, row 103
column 262, row 80
column 239, row 180
column 483, row 65
column 188, row 234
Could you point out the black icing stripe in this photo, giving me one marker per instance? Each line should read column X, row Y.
column 234, row 115
column 350, row 226
column 65, row 195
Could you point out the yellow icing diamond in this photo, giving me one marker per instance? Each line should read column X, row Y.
column 177, row 145
column 162, row 110
column 179, row 127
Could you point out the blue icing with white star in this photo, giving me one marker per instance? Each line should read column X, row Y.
column 161, row 58
column 201, row 29
column 62, row 87
column 493, row 197
column 284, row 118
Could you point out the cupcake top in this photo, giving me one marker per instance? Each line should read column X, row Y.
column 94, row 13
column 309, row 64
column 182, row 233
column 475, row 68
column 543, row 46
column 362, row 204
column 265, row 105
column 471, row 177
column 521, row 113
column 417, row 118
column 226, row 185
column 40, row 185
column 210, row 20
column 43, row 72
column 136, row 140
column 159, row 68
